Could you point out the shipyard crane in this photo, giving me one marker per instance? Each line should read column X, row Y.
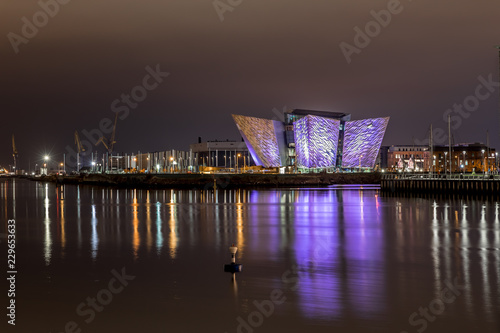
column 79, row 148
column 14, row 152
column 111, row 142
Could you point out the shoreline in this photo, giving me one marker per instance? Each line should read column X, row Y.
column 208, row 181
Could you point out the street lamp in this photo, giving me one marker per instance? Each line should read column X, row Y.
column 433, row 163
column 496, row 161
column 464, row 162
column 237, row 162
column 445, row 164
column 484, row 170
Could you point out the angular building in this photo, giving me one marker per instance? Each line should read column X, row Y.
column 316, row 140
column 263, row 138
column 362, row 140
column 313, row 139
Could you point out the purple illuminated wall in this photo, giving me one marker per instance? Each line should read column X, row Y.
column 260, row 138
column 362, row 140
column 316, row 140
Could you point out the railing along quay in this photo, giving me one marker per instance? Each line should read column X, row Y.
column 440, row 183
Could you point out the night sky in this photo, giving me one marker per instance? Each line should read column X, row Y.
column 264, row 55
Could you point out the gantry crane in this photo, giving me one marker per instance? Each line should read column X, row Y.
column 111, row 142
column 14, row 152
column 79, row 148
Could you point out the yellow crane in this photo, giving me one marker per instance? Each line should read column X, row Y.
column 79, row 148
column 111, row 142
column 14, row 152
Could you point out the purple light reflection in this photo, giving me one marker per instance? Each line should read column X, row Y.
column 339, row 248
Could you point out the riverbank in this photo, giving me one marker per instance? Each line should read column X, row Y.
column 205, row 181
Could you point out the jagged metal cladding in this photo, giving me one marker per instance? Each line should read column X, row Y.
column 260, row 137
column 362, row 140
column 316, row 140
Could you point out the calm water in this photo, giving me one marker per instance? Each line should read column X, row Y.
column 345, row 259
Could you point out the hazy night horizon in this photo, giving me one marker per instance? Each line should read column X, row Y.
column 261, row 56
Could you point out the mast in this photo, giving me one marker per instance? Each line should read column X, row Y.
column 431, row 167
column 487, row 149
column 498, row 47
column 449, row 140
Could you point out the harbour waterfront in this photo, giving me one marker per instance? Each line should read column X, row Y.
column 444, row 184
column 218, row 180
column 346, row 258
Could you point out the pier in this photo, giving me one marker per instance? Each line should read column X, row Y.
column 454, row 183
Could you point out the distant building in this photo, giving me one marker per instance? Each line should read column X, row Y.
column 465, row 157
column 169, row 161
column 401, row 157
column 222, row 154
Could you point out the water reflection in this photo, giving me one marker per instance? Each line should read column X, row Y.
column 48, row 232
column 357, row 253
column 94, row 241
column 136, row 241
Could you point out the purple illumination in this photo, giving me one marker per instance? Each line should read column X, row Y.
column 362, row 140
column 316, row 140
column 260, row 138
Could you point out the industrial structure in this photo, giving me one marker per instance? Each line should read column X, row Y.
column 222, row 154
column 309, row 139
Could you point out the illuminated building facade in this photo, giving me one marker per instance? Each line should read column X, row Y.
column 262, row 137
column 313, row 140
column 362, row 140
column 316, row 140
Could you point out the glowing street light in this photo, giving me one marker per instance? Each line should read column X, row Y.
column 463, row 152
column 484, row 164
column 496, row 160
column 445, row 159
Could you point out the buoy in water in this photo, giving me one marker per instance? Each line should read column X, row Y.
column 233, row 267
